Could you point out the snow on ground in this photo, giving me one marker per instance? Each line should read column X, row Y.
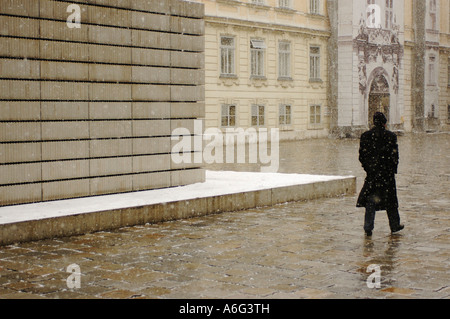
column 217, row 183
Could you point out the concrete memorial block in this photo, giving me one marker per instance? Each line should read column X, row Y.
column 110, row 185
column 108, row 35
column 110, row 129
column 187, row 109
column 109, row 73
column 150, row 21
column 151, row 110
column 64, row 51
column 52, row 171
column 20, row 7
column 155, row 75
column 66, row 130
column 151, row 39
column 187, row 25
column 109, row 110
column 20, row 132
column 151, row 163
column 153, row 57
column 187, row 93
column 110, row 166
column 58, row 10
column 65, row 189
column 22, row 69
column 111, row 147
column 64, row 150
column 63, row 91
column 186, row 42
column 20, row 152
column 187, row 176
column 146, row 128
column 110, row 92
column 16, row 90
column 187, row 76
column 151, row 145
column 23, row 193
column 155, row 180
column 23, row 48
column 152, row 6
column 109, row 54
column 58, row 30
column 19, row 27
column 19, row 111
column 64, row 110
column 150, row 92
column 108, row 16
column 20, row 173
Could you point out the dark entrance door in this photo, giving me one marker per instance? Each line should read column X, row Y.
column 379, row 98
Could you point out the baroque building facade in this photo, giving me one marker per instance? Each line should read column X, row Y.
column 317, row 67
column 390, row 56
column 266, row 66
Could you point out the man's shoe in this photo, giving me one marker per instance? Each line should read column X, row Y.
column 368, row 233
column 399, row 228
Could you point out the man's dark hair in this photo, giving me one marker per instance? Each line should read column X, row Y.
column 379, row 119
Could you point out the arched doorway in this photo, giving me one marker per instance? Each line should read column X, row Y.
column 379, row 97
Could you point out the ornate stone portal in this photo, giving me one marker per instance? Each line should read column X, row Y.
column 379, row 55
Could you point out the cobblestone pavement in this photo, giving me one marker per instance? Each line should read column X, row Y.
column 314, row 249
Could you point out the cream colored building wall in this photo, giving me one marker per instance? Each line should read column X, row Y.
column 408, row 61
column 444, row 66
column 443, row 41
column 245, row 21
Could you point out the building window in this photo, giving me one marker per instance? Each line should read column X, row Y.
column 258, row 1
column 432, row 113
column 314, row 6
column 432, row 71
column 371, row 14
column 258, row 115
column 448, row 71
column 389, row 14
column 284, row 59
column 314, row 63
column 285, row 114
column 227, row 55
column 448, row 112
column 315, row 115
column 228, row 115
column 286, row 4
column 257, row 50
column 433, row 14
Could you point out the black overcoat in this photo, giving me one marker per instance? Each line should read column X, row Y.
column 378, row 154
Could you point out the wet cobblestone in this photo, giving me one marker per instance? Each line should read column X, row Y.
column 314, row 249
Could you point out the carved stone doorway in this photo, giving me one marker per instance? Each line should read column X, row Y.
column 379, row 98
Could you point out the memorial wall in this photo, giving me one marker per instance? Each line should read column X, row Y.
column 90, row 92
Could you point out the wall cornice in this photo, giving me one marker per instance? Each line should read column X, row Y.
column 266, row 26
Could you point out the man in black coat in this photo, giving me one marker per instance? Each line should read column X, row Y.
column 378, row 154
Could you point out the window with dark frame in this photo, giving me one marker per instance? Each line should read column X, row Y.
column 258, row 115
column 314, row 63
column 285, row 4
column 257, row 52
column 285, row 114
column 315, row 114
column 314, row 6
column 284, row 59
column 228, row 115
column 227, row 55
